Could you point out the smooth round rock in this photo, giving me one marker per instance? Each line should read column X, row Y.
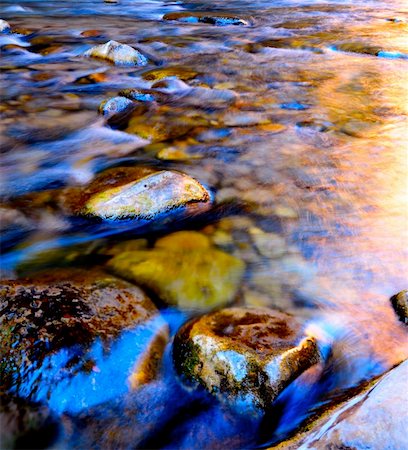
column 245, row 356
column 66, row 336
column 185, row 270
column 117, row 53
column 400, row 305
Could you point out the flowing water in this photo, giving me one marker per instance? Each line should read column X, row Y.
column 313, row 153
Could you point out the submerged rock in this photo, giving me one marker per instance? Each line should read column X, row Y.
column 117, row 53
column 400, row 303
column 205, row 17
column 183, row 73
column 66, row 336
column 246, row 356
column 4, row 26
column 146, row 195
column 183, row 269
column 115, row 105
column 164, row 124
column 375, row 419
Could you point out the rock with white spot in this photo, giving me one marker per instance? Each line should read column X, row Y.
column 117, row 53
column 245, row 356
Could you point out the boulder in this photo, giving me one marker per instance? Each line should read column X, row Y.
column 183, row 269
column 245, row 356
column 117, row 53
column 66, row 336
column 376, row 419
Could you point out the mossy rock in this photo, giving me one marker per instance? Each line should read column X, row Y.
column 244, row 356
column 183, row 270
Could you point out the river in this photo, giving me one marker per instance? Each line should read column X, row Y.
column 312, row 154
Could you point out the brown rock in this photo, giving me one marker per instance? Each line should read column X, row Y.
column 65, row 336
column 244, row 355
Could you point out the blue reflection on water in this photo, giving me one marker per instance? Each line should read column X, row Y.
column 66, row 387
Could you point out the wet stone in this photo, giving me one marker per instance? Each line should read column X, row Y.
column 138, row 95
column 203, row 17
column 245, row 119
column 163, row 125
column 115, row 105
column 375, row 419
column 176, row 154
column 400, row 305
column 204, row 97
column 183, row 269
column 358, row 47
column 183, row 73
column 270, row 245
column 245, row 356
column 132, row 193
column 66, row 336
column 117, row 53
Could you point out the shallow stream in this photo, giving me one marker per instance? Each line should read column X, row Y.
column 312, row 156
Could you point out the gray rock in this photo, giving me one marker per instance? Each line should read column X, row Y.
column 140, row 193
column 115, row 105
column 375, row 420
column 117, row 53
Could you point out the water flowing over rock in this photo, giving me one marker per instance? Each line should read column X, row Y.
column 244, row 355
column 4, row 26
column 65, row 337
column 138, row 193
column 183, row 269
column 400, row 304
column 374, row 420
column 115, row 105
column 117, row 53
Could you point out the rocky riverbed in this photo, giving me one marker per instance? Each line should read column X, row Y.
column 203, row 232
